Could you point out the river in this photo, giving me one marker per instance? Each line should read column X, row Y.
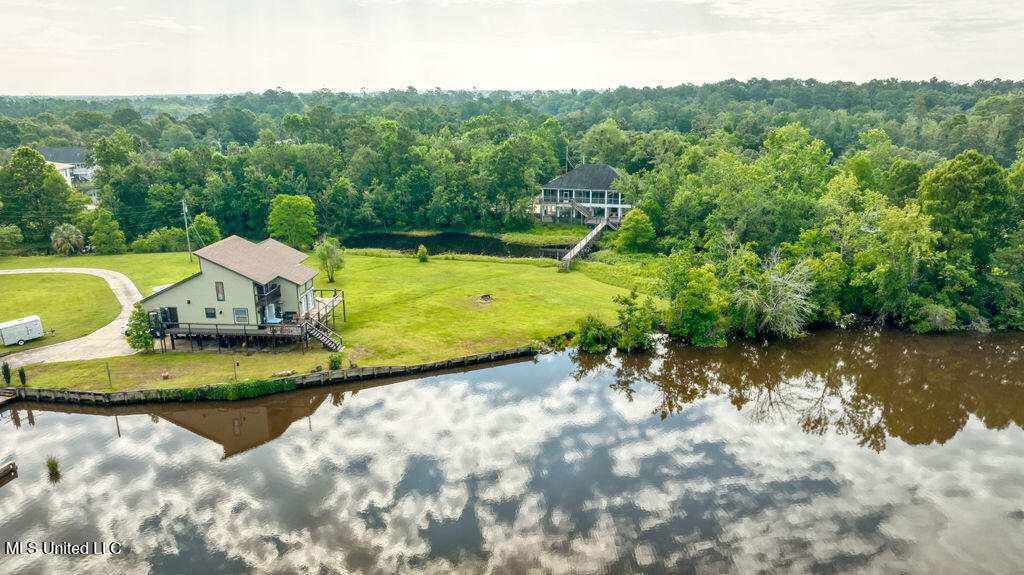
column 453, row 242
column 859, row 450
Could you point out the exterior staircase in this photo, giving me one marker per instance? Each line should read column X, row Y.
column 324, row 335
column 7, row 395
column 583, row 245
column 586, row 212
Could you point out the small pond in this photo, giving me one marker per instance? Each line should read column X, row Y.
column 450, row 242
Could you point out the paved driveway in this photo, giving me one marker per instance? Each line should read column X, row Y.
column 107, row 341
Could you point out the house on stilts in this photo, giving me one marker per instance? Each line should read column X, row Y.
column 583, row 195
column 256, row 294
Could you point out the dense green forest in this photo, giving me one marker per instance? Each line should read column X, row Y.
column 772, row 204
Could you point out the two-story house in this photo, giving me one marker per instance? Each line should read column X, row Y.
column 584, row 195
column 245, row 289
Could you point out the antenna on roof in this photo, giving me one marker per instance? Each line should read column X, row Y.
column 568, row 164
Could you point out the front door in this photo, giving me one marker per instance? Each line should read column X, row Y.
column 169, row 316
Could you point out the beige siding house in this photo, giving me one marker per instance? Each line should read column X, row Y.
column 243, row 289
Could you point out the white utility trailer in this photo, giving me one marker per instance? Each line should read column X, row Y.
column 18, row 331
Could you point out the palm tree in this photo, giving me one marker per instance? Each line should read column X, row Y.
column 66, row 239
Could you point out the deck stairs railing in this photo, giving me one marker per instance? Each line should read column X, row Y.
column 582, row 245
column 324, row 335
column 586, row 212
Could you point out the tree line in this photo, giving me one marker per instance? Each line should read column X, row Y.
column 774, row 204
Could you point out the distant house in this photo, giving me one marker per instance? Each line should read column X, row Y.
column 583, row 195
column 246, row 291
column 65, row 170
column 78, row 157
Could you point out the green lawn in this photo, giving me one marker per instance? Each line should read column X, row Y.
column 547, row 234
column 145, row 270
column 400, row 312
column 185, row 369
column 70, row 304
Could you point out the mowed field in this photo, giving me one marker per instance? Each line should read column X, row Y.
column 72, row 305
column 400, row 312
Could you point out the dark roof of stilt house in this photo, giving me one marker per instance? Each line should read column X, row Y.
column 64, row 155
column 586, row 177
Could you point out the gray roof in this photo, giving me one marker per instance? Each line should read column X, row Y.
column 64, row 155
column 586, row 177
column 262, row 262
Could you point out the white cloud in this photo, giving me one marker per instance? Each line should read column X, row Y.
column 193, row 46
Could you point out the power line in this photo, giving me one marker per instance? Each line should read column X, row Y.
column 188, row 240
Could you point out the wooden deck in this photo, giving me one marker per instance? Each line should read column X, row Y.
column 585, row 212
column 286, row 330
column 581, row 247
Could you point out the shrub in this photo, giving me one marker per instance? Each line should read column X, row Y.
column 161, row 240
column 6, row 369
column 697, row 307
column 249, row 388
column 21, row 375
column 10, row 236
column 107, row 237
column 421, row 253
column 141, row 245
column 204, row 228
column 334, row 361
column 138, row 330
column 636, row 234
column 52, row 465
column 934, row 317
column 636, row 322
column 593, row 335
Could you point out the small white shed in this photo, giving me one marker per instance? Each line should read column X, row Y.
column 18, row 331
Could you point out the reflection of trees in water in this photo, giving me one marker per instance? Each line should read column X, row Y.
column 872, row 385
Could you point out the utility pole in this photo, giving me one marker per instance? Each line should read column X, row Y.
column 188, row 240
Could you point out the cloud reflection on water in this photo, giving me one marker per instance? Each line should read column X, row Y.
column 844, row 451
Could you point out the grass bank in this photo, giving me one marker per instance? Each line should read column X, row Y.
column 145, row 270
column 70, row 304
column 143, row 371
column 641, row 271
column 400, row 312
column 546, row 234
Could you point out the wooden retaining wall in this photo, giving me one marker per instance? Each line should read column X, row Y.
column 326, row 377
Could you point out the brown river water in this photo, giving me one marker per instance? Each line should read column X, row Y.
column 845, row 451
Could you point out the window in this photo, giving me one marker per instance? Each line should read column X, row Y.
column 211, row 313
column 241, row 315
column 220, row 290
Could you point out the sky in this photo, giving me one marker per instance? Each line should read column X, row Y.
column 121, row 47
